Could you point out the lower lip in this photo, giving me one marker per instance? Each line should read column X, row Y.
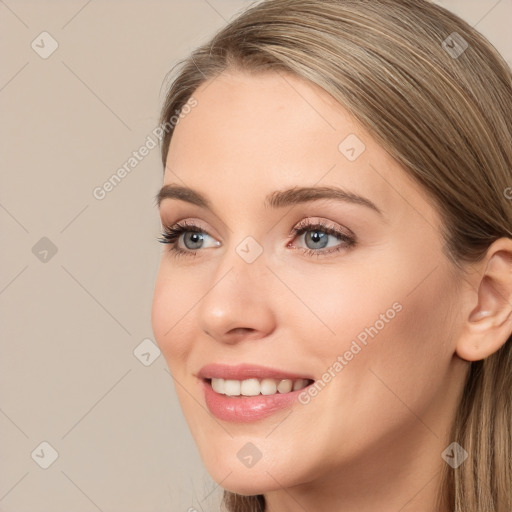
column 243, row 409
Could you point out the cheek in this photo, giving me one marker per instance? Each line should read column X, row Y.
column 331, row 307
column 397, row 377
column 169, row 316
column 405, row 362
column 388, row 320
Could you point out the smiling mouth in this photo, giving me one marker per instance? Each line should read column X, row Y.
column 255, row 387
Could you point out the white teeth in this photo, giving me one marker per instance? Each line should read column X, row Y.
column 218, row 385
column 268, row 387
column 250, row 387
column 232, row 387
column 254, row 387
column 285, row 386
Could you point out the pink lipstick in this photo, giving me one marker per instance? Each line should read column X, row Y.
column 245, row 393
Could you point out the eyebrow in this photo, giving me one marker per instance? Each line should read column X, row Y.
column 276, row 199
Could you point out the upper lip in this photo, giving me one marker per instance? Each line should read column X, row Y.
column 246, row 371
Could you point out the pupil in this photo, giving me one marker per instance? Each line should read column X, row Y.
column 317, row 237
column 194, row 238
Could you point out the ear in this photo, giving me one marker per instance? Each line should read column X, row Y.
column 489, row 324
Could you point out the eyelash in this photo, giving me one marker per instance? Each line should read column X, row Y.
column 171, row 234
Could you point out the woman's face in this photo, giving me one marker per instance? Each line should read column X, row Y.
column 361, row 300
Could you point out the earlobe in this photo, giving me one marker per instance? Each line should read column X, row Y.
column 489, row 323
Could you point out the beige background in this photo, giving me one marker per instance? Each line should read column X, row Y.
column 71, row 322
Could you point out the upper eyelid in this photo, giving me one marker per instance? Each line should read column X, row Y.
column 309, row 224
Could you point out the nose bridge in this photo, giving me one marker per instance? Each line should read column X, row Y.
column 237, row 297
column 243, row 262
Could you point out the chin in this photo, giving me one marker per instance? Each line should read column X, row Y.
column 278, row 470
column 246, row 482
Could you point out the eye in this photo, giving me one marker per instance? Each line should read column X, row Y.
column 193, row 238
column 317, row 235
column 317, row 238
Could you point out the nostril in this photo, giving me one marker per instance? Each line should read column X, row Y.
column 241, row 330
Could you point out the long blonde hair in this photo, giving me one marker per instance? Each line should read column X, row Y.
column 437, row 96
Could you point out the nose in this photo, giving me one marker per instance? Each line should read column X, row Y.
column 238, row 304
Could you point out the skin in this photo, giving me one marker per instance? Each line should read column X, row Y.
column 373, row 437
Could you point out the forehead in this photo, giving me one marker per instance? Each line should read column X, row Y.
column 256, row 133
column 244, row 111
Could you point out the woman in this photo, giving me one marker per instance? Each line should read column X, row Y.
column 335, row 300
